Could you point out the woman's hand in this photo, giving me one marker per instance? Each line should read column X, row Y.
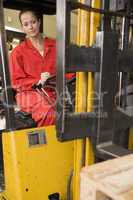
column 44, row 77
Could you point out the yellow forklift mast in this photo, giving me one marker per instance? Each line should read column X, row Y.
column 93, row 124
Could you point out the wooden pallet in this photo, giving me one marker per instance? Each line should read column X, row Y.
column 108, row 180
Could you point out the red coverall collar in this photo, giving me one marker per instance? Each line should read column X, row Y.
column 47, row 44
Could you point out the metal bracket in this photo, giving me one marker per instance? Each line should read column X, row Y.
column 83, row 59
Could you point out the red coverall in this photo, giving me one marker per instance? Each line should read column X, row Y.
column 26, row 66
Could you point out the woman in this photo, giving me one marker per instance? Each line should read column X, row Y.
column 33, row 62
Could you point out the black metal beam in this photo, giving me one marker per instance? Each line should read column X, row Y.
column 43, row 6
column 125, row 60
column 105, row 85
column 83, row 59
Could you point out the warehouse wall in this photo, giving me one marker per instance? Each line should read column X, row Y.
column 11, row 19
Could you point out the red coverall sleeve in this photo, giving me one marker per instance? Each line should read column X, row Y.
column 20, row 80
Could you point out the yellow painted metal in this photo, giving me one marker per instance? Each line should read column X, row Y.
column 94, row 24
column 94, row 21
column 34, row 172
column 81, row 103
column 83, row 153
column 130, row 141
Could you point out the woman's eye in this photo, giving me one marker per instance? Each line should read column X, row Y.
column 26, row 24
column 34, row 22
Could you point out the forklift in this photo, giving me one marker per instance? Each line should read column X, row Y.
column 92, row 124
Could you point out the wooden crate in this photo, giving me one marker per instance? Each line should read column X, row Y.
column 108, row 180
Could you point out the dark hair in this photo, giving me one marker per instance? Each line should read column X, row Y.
column 36, row 14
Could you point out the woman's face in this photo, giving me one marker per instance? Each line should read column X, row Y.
column 30, row 24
